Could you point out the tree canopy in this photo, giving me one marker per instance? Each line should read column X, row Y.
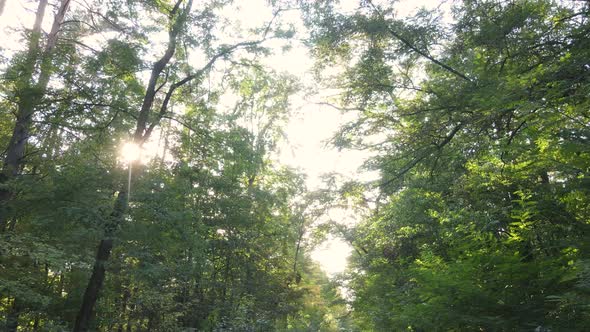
column 478, row 119
column 140, row 188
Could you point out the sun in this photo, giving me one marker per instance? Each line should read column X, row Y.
column 131, row 152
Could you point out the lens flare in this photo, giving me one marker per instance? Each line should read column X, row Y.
column 130, row 152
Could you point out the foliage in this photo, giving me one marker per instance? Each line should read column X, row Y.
column 206, row 234
column 480, row 129
column 477, row 118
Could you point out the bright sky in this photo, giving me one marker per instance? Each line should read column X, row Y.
column 309, row 129
column 311, row 125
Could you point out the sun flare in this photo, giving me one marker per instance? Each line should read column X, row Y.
column 131, row 152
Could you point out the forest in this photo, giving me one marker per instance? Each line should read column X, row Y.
column 141, row 187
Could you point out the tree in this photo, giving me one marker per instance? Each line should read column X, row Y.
column 204, row 235
column 178, row 16
column 29, row 92
column 479, row 129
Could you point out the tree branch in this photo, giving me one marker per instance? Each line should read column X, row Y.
column 148, row 100
column 411, row 46
column 191, row 77
column 416, row 160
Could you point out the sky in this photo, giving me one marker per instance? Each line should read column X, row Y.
column 309, row 130
column 311, row 125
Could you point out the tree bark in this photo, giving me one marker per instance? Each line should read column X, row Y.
column 103, row 254
column 15, row 148
column 29, row 94
column 94, row 285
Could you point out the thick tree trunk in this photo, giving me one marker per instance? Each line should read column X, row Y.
column 16, row 147
column 29, row 95
column 103, row 253
column 20, row 134
column 94, row 285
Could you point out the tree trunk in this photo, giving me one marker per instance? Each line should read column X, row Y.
column 16, row 146
column 26, row 93
column 103, row 253
column 94, row 285
column 139, row 137
column 29, row 94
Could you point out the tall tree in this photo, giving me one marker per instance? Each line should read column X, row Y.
column 208, row 235
column 479, row 128
column 29, row 91
column 149, row 116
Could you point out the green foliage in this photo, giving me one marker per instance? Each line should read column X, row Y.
column 208, row 234
column 481, row 126
column 478, row 127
